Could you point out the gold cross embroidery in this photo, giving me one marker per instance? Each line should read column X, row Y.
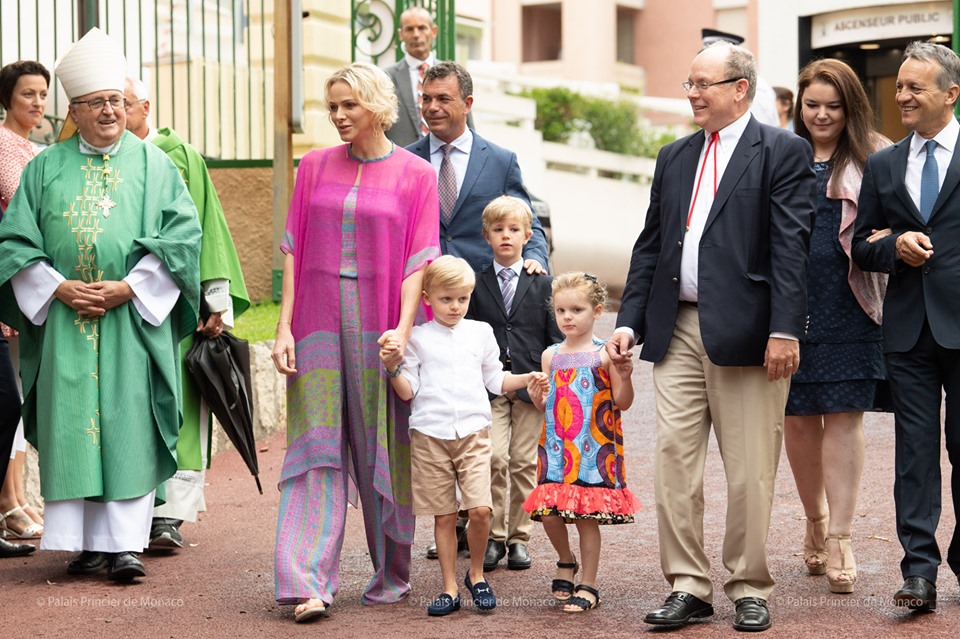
column 94, row 431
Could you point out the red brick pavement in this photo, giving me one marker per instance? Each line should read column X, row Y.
column 222, row 584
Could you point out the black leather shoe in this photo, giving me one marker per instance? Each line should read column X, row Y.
column 752, row 614
column 496, row 550
column 679, row 609
column 917, row 593
column 165, row 534
column 88, row 562
column 8, row 549
column 125, row 566
column 517, row 557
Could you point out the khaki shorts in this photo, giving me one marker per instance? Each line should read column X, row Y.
column 438, row 465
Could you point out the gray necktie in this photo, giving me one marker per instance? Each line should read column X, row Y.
column 447, row 185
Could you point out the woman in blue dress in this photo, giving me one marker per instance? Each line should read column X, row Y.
column 841, row 371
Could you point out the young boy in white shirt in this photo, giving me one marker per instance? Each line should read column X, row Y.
column 448, row 365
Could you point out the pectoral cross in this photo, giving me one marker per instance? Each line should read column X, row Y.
column 105, row 204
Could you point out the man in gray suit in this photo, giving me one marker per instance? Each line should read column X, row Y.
column 417, row 33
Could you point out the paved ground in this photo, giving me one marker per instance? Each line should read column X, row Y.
column 222, row 585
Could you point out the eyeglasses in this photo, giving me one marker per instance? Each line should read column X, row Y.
column 706, row 85
column 97, row 104
column 129, row 105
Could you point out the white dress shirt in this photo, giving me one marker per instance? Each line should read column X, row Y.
column 690, row 257
column 450, row 370
column 460, row 155
column 946, row 143
column 516, row 267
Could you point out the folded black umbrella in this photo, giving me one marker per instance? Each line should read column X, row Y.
column 220, row 366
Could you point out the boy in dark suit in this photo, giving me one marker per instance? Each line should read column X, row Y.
column 516, row 305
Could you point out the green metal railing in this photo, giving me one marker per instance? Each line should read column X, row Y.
column 205, row 62
column 374, row 25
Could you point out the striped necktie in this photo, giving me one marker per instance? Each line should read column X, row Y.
column 423, row 123
column 507, row 288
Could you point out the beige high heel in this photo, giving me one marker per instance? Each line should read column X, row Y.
column 815, row 545
column 841, row 566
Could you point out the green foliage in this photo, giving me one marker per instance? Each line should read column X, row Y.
column 258, row 323
column 614, row 126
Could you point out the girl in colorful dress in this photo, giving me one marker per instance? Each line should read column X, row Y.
column 580, row 470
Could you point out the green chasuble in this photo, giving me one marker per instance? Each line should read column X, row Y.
column 101, row 395
column 218, row 260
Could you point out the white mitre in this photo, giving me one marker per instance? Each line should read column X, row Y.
column 94, row 63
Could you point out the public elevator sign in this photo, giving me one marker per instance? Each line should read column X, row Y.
column 871, row 24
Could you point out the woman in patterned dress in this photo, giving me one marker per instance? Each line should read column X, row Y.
column 841, row 372
column 363, row 223
column 580, row 471
column 23, row 95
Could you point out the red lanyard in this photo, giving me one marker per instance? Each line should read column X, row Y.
column 714, row 138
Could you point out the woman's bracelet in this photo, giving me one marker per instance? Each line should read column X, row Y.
column 395, row 372
column 282, row 322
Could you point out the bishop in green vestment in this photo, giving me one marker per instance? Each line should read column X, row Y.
column 99, row 262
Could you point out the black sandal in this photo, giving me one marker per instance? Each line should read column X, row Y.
column 582, row 603
column 562, row 585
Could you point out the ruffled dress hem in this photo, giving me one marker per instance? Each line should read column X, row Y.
column 572, row 502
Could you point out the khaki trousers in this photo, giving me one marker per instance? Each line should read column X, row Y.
column 515, row 432
column 746, row 411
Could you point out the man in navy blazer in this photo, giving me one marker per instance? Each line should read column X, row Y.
column 716, row 292
column 484, row 171
column 921, row 310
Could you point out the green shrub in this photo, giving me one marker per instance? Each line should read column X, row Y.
column 614, row 126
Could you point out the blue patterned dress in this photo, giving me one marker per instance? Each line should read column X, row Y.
column 841, row 356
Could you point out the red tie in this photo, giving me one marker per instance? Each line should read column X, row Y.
column 423, row 123
column 712, row 144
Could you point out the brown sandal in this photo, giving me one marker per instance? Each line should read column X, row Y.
column 841, row 566
column 815, row 545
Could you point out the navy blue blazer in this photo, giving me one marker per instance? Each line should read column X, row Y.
column 492, row 171
column 914, row 293
column 528, row 329
column 752, row 256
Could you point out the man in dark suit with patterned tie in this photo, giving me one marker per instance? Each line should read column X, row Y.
column 912, row 189
column 471, row 171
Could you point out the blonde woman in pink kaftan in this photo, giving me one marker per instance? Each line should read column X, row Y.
column 363, row 223
column 23, row 95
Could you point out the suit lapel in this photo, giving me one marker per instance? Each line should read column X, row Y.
column 949, row 182
column 898, row 172
column 747, row 149
column 689, row 158
column 523, row 285
column 478, row 156
column 488, row 278
column 406, row 89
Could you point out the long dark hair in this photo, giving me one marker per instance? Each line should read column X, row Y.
column 859, row 137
